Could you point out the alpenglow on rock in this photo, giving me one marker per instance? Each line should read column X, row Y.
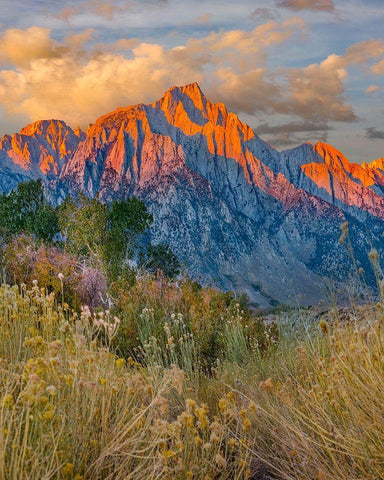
column 237, row 212
column 39, row 150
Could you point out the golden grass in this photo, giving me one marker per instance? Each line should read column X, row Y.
column 71, row 409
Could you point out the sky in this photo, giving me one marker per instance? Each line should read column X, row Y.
column 295, row 70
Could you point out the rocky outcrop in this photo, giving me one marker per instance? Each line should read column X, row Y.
column 325, row 172
column 39, row 150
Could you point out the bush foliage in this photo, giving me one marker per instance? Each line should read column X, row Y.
column 109, row 370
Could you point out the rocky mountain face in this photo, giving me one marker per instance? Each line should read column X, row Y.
column 39, row 150
column 240, row 214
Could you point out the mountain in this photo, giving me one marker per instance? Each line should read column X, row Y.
column 39, row 150
column 239, row 213
column 324, row 171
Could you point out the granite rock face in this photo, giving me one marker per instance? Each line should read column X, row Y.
column 39, row 150
column 240, row 214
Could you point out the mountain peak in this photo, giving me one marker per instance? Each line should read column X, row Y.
column 192, row 91
column 332, row 156
column 42, row 126
column 377, row 164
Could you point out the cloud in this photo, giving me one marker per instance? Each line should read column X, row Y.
column 293, row 127
column 106, row 9
column 378, row 68
column 371, row 89
column 204, row 19
column 44, row 78
column 322, row 5
column 103, row 8
column 293, row 133
column 19, row 47
column 239, row 48
column 374, row 134
column 249, row 92
column 317, row 92
column 264, row 14
column 286, row 140
column 358, row 53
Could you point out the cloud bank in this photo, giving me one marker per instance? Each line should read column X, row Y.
column 43, row 78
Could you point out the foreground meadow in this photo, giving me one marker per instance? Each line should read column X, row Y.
column 74, row 404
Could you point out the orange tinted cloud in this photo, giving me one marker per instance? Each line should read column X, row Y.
column 43, row 78
column 324, row 5
column 21, row 46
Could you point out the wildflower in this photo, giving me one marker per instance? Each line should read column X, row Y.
column 321, row 475
column 51, row 390
column 48, row 414
column 220, row 461
column 162, row 403
column 373, row 255
column 60, row 276
column 230, row 396
column 68, row 469
column 242, row 463
column 169, row 453
column 178, row 378
column 8, row 400
column 232, row 443
column 223, row 404
column 103, row 381
column 324, row 327
column 267, row 385
column 246, row 424
column 79, row 328
column 85, row 312
column 120, row 362
column 201, row 415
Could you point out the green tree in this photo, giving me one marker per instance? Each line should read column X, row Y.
column 9, row 218
column 161, row 258
column 127, row 219
column 106, row 233
column 83, row 224
column 27, row 211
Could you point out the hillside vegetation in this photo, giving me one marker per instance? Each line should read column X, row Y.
column 114, row 365
column 306, row 406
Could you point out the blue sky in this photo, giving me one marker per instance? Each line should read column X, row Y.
column 295, row 70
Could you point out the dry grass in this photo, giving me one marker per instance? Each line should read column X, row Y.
column 71, row 409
